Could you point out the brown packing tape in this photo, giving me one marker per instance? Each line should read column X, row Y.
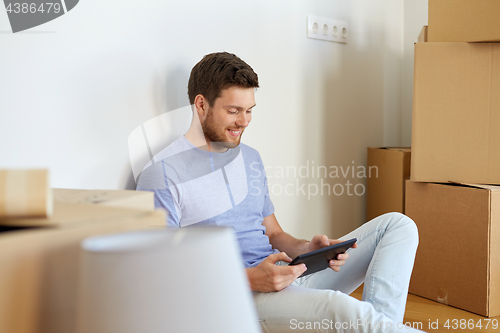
column 25, row 193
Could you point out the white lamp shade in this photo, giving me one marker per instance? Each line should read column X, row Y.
column 183, row 280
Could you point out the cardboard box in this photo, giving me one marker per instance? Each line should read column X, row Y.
column 456, row 113
column 39, row 266
column 422, row 37
column 25, row 193
column 385, row 184
column 68, row 208
column 464, row 20
column 129, row 199
column 457, row 260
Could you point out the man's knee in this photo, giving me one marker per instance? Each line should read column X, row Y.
column 406, row 224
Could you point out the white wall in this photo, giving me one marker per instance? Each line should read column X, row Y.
column 415, row 17
column 73, row 89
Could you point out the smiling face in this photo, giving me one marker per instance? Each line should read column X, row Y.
column 224, row 122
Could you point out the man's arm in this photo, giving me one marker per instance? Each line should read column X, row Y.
column 293, row 247
column 267, row 276
column 281, row 240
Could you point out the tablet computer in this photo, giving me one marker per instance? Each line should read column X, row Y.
column 318, row 260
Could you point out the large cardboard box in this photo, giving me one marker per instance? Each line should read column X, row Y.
column 388, row 170
column 464, row 20
column 457, row 260
column 456, row 113
column 39, row 266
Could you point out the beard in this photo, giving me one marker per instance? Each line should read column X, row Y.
column 216, row 134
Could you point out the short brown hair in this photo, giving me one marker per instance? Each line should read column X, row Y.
column 219, row 71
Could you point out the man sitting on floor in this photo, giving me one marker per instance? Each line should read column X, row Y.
column 207, row 177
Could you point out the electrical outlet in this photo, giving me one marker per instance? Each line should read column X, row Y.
column 327, row 29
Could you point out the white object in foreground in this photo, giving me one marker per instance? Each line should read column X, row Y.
column 183, row 280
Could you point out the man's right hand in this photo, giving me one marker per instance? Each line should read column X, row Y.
column 267, row 276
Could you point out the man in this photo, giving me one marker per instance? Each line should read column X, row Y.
column 207, row 177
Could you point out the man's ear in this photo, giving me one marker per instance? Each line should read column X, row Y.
column 201, row 106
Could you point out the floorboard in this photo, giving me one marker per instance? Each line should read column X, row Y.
column 432, row 316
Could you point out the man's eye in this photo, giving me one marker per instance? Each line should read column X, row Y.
column 232, row 112
column 249, row 111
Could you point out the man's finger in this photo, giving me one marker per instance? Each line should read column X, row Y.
column 279, row 256
column 343, row 256
column 335, row 241
column 287, row 275
column 335, row 268
column 337, row 263
column 294, row 270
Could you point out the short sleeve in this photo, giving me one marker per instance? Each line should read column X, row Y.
column 268, row 205
column 154, row 178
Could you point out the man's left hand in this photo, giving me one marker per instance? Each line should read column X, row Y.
column 321, row 241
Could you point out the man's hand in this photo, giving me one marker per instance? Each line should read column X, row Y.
column 321, row 241
column 267, row 276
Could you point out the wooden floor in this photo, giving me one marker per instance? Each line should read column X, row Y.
column 421, row 312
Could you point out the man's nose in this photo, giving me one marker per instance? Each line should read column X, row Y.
column 243, row 119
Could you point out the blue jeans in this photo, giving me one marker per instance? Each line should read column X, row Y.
column 319, row 302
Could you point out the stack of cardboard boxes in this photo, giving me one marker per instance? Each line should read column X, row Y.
column 453, row 195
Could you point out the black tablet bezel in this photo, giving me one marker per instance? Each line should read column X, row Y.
column 318, row 260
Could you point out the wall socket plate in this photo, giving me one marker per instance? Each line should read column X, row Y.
column 327, row 29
